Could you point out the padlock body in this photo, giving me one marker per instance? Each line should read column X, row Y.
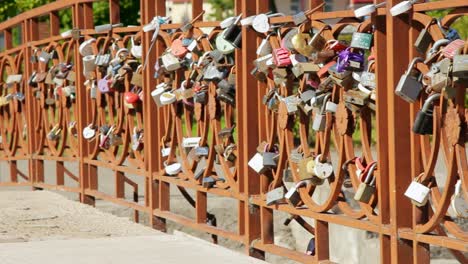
column 319, row 122
column 418, row 193
column 364, row 193
column 293, row 197
column 275, row 196
column 460, row 66
column 423, row 41
column 408, row 88
column 423, row 123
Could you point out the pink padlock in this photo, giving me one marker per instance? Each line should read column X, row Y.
column 281, row 57
column 452, row 48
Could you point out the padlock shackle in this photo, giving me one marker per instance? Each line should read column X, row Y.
column 413, row 63
column 325, row 100
column 370, row 179
column 429, row 102
column 437, row 44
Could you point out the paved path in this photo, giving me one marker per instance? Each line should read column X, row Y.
column 44, row 227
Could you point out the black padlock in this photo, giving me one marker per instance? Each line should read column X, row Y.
column 233, row 34
column 423, row 122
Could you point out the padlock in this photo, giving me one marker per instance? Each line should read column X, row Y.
column 172, row 169
column 261, row 24
column 228, row 153
column 177, row 49
column 86, row 48
column 323, row 170
column 292, row 196
column 102, row 60
column 367, row 77
column 269, row 158
column 285, row 40
column 33, row 58
column 423, row 124
column 44, row 57
column 131, row 99
column 136, row 50
column 208, row 182
column 452, row 48
column 356, row 97
column 306, row 168
column 170, row 62
column 223, row 45
column 191, row 142
column 402, row 7
column 13, row 78
column 361, row 40
column 233, row 33
column 281, row 57
column 450, row 33
column 137, row 139
column 89, row 132
column 265, row 47
column 433, row 53
column 409, row 87
column 458, row 203
column 226, row 132
column 424, row 38
column 419, row 192
column 292, row 103
column 438, row 76
column 318, row 41
column 320, row 118
column 104, row 141
column 367, row 188
column 350, row 60
column 300, row 42
column 54, row 133
column 275, row 196
column 106, row 27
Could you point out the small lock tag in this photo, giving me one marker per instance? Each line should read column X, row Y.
column 191, row 142
column 361, row 40
column 275, row 196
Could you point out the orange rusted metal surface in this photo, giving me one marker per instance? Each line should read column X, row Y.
column 91, row 97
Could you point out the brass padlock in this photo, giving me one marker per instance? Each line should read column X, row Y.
column 318, row 42
column 367, row 188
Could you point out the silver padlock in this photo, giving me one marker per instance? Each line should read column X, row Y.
column 320, row 118
column 367, row 188
column 292, row 196
column 409, row 87
column 417, row 192
column 275, row 196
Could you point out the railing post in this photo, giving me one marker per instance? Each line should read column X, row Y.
column 87, row 173
column 157, row 191
column 247, row 114
column 399, row 159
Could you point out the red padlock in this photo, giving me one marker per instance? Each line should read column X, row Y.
column 336, row 45
column 323, row 72
column 177, row 49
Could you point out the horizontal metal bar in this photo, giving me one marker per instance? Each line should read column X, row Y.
column 284, row 252
column 119, row 201
column 201, row 227
column 215, row 191
column 447, row 242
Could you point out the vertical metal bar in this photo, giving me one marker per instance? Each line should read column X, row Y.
column 382, row 127
column 322, row 251
column 158, row 191
column 197, row 8
column 114, row 11
column 399, row 160
column 421, row 251
column 60, row 172
column 249, row 183
column 54, row 28
column 8, row 39
column 119, row 184
column 13, row 171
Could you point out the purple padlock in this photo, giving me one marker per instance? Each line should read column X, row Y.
column 348, row 60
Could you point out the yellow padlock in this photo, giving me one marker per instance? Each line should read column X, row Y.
column 300, row 42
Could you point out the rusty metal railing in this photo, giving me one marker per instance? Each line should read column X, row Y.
column 101, row 118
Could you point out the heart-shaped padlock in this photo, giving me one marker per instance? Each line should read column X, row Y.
column 177, row 47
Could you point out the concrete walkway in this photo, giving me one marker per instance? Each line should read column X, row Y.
column 167, row 249
column 45, row 227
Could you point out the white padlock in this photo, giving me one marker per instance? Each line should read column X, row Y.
column 191, row 142
column 256, row 163
column 172, row 169
column 418, row 193
column 322, row 170
column 331, row 107
column 167, row 98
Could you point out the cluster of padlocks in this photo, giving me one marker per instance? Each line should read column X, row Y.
column 447, row 63
column 308, row 74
